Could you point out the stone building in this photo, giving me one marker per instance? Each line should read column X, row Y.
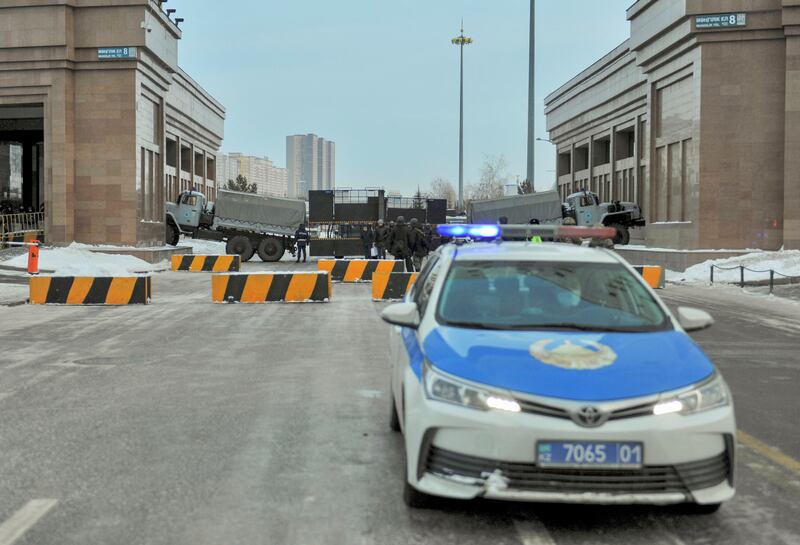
column 697, row 117
column 108, row 124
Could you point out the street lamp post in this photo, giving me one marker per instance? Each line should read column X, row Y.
column 531, row 95
column 461, row 41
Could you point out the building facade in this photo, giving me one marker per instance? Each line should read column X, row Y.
column 696, row 117
column 108, row 125
column 269, row 179
column 310, row 164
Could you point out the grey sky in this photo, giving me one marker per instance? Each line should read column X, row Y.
column 381, row 78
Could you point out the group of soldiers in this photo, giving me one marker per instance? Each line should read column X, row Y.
column 410, row 242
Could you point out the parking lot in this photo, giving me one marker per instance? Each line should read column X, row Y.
column 186, row 422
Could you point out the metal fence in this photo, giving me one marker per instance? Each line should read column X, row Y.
column 742, row 269
column 21, row 223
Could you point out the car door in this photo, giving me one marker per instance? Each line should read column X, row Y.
column 400, row 336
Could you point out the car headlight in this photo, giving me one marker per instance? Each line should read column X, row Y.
column 450, row 390
column 710, row 395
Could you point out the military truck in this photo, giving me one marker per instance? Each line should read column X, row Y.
column 583, row 208
column 246, row 222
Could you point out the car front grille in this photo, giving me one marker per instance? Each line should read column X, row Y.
column 530, row 477
column 533, row 407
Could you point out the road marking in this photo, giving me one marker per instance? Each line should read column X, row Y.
column 531, row 532
column 21, row 521
column 767, row 451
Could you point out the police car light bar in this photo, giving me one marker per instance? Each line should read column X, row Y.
column 527, row 231
column 471, row 231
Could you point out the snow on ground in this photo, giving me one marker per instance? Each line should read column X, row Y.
column 786, row 262
column 77, row 260
column 203, row 247
column 13, row 293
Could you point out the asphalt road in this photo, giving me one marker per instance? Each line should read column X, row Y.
column 185, row 422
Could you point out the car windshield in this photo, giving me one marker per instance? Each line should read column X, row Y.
column 548, row 295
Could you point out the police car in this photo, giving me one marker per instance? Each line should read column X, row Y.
column 553, row 373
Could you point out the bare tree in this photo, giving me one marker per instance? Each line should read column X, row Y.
column 493, row 179
column 524, row 187
column 441, row 188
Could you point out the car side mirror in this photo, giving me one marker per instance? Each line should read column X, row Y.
column 694, row 319
column 402, row 314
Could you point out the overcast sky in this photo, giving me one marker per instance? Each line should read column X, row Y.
column 381, row 78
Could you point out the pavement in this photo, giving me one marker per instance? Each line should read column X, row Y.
column 185, row 422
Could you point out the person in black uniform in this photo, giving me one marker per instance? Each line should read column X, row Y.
column 367, row 239
column 301, row 238
column 399, row 243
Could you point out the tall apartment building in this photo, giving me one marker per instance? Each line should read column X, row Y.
column 269, row 179
column 311, row 163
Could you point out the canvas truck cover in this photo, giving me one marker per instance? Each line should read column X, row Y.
column 251, row 211
column 519, row 209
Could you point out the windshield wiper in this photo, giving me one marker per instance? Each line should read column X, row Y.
column 479, row 325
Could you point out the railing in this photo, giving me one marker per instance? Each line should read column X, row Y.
column 17, row 223
column 742, row 268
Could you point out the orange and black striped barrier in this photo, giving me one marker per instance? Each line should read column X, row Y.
column 296, row 287
column 358, row 270
column 206, row 263
column 90, row 290
column 653, row 275
column 391, row 286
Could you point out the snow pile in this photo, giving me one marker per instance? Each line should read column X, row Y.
column 76, row 260
column 203, row 247
column 785, row 262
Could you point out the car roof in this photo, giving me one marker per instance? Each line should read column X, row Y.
column 527, row 251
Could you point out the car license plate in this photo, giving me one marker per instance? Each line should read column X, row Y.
column 589, row 454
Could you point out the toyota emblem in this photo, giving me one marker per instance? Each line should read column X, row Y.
column 589, row 417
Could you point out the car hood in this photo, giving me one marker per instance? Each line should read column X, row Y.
column 579, row 366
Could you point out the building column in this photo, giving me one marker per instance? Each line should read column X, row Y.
column 791, row 176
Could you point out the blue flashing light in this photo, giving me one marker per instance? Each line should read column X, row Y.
column 472, row 231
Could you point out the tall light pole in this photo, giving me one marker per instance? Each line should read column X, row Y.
column 531, row 96
column 461, row 41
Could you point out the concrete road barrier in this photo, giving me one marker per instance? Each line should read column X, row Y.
column 358, row 270
column 90, row 290
column 206, row 263
column 653, row 275
column 391, row 286
column 291, row 287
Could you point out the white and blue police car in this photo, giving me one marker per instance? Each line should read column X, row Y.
column 554, row 373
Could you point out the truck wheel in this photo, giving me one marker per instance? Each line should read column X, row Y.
column 623, row 235
column 270, row 249
column 173, row 235
column 240, row 245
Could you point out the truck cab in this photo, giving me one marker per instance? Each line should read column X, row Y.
column 585, row 209
column 187, row 215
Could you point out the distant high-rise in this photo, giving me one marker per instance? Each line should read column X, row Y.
column 310, row 163
column 269, row 179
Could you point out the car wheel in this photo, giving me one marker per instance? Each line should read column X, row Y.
column 394, row 419
column 701, row 509
column 240, row 245
column 416, row 499
column 173, row 235
column 623, row 236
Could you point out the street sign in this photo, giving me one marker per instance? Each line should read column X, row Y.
column 108, row 53
column 720, row 20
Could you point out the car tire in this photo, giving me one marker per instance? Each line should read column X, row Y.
column 241, row 246
column 623, row 236
column 417, row 500
column 394, row 419
column 173, row 235
column 270, row 249
column 701, row 509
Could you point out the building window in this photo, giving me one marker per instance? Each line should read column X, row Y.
column 172, row 153
column 581, row 158
column 601, row 151
column 186, row 159
column 625, row 142
column 564, row 163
